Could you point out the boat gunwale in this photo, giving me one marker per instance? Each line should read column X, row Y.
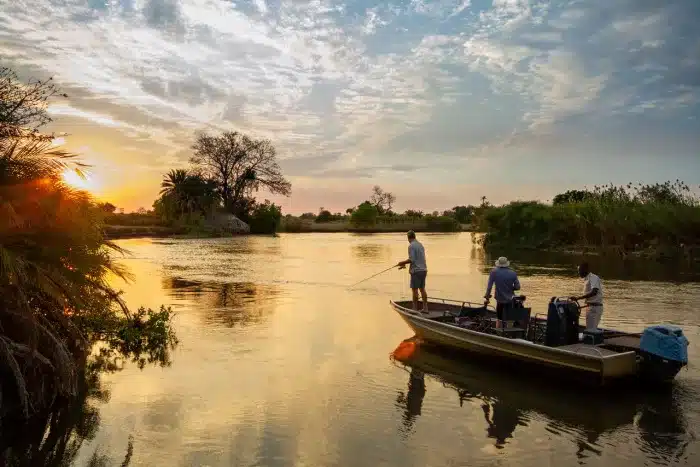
column 410, row 314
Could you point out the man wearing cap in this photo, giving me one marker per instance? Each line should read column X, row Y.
column 506, row 282
column 418, row 269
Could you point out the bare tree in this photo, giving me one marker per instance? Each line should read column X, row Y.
column 239, row 164
column 24, row 104
column 382, row 200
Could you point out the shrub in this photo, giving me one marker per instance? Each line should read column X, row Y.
column 654, row 217
column 324, row 216
column 293, row 224
column 265, row 218
column 365, row 215
column 442, row 224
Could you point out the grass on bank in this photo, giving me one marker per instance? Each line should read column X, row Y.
column 396, row 223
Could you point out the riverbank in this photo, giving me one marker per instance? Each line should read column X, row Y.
column 114, row 232
column 296, row 225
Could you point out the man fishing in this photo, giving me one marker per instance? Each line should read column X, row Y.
column 418, row 270
column 506, row 282
column 593, row 294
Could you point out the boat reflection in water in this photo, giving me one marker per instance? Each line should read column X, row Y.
column 662, row 431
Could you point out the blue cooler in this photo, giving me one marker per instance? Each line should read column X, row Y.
column 666, row 342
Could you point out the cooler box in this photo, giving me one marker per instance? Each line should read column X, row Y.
column 665, row 341
column 593, row 337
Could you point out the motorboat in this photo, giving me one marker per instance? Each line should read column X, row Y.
column 552, row 341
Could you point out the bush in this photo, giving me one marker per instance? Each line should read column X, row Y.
column 324, row 216
column 365, row 215
column 442, row 224
column 265, row 218
column 656, row 217
column 134, row 219
column 293, row 224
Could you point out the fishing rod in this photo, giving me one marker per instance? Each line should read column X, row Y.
column 371, row 277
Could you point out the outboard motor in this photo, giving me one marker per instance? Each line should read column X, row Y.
column 562, row 322
column 664, row 351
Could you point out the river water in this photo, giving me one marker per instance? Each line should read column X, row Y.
column 279, row 364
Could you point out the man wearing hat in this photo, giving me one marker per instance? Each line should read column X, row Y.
column 418, row 270
column 506, row 282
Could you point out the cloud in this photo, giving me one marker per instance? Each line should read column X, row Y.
column 355, row 86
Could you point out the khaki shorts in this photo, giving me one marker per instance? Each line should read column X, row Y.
column 593, row 316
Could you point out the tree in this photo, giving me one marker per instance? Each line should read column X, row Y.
column 365, row 215
column 324, row 216
column 265, row 218
column 239, row 165
column 463, row 214
column 572, row 196
column 413, row 213
column 25, row 104
column 382, row 200
column 55, row 266
column 349, row 211
column 109, row 208
column 186, row 194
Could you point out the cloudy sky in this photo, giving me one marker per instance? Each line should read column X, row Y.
column 439, row 101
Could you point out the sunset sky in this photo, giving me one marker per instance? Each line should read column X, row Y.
column 440, row 102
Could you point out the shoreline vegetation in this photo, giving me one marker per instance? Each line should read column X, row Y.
column 654, row 221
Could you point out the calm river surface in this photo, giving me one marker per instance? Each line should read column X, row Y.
column 280, row 365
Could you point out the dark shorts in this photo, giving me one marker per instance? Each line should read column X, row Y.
column 418, row 279
column 499, row 309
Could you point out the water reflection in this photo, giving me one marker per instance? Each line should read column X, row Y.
column 371, row 251
column 231, row 303
column 412, row 401
column 55, row 437
column 662, row 431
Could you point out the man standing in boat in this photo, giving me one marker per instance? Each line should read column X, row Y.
column 506, row 282
column 593, row 294
column 418, row 269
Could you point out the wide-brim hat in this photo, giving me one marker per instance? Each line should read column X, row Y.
column 502, row 262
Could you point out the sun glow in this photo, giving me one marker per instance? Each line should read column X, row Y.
column 79, row 180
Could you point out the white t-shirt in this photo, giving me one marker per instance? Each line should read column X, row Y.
column 590, row 282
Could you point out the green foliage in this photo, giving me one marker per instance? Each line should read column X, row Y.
column 572, row 196
column 660, row 217
column 325, row 216
column 54, row 261
column 442, row 224
column 293, row 224
column 134, row 219
column 265, row 218
column 186, row 196
column 365, row 215
column 413, row 213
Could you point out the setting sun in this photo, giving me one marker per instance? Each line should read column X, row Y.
column 81, row 181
